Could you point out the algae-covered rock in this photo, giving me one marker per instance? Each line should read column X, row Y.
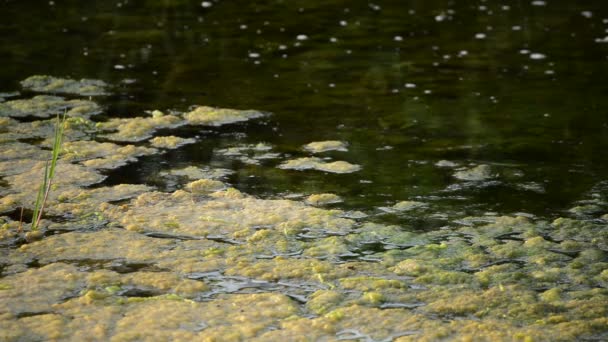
column 44, row 106
column 324, row 146
column 210, row 116
column 301, row 164
column 50, row 84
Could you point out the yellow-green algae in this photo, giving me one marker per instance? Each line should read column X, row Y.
column 477, row 173
column 314, row 163
column 327, row 145
column 208, row 262
column 210, row 116
column 170, row 142
column 193, row 173
column 251, row 154
column 43, row 106
column 50, row 84
column 139, row 128
column 322, row 199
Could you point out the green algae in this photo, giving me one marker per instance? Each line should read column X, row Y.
column 477, row 173
column 194, row 173
column 170, row 142
column 139, row 128
column 207, row 258
column 251, row 154
column 44, row 106
column 105, row 155
column 314, row 163
column 210, row 116
column 323, row 199
column 324, row 146
column 50, row 84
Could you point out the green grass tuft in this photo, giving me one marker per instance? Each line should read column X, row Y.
column 49, row 174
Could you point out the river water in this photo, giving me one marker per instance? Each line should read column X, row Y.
column 468, row 109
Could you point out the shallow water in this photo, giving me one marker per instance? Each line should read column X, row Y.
column 452, row 115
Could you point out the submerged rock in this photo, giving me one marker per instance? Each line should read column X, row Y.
column 50, row 84
column 313, row 163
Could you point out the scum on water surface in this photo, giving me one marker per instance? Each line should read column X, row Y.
column 130, row 262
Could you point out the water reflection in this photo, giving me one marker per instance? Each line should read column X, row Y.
column 518, row 87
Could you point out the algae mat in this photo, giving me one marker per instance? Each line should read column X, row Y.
column 129, row 262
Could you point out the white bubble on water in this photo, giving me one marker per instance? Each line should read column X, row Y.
column 398, row 38
column 439, row 18
column 524, row 51
column 206, row 4
column 516, row 28
column 480, row 36
column 301, row 37
column 333, row 39
column 539, row 3
column 243, row 27
column 119, row 67
column 463, row 53
column 374, row 7
column 537, row 56
column 282, row 47
column 254, row 55
column 343, row 23
column 410, row 85
column 587, row 14
column 602, row 40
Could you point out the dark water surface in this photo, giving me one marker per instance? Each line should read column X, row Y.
column 517, row 85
